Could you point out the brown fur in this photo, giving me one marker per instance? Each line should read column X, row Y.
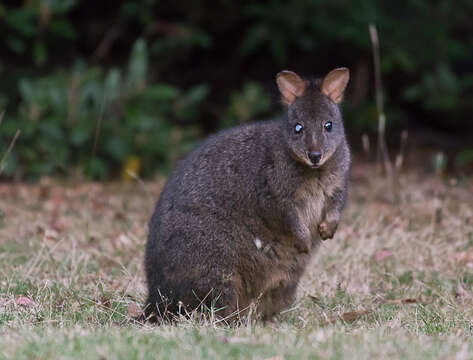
column 238, row 221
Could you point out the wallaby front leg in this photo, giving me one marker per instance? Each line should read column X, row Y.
column 328, row 226
column 333, row 209
column 300, row 231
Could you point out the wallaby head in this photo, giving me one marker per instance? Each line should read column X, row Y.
column 314, row 128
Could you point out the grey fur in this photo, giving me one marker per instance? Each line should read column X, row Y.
column 240, row 217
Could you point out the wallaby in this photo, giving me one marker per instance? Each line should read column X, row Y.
column 238, row 220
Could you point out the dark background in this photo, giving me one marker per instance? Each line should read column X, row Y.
column 101, row 87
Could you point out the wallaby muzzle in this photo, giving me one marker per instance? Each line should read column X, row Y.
column 314, row 157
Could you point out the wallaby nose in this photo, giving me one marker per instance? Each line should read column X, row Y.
column 314, row 157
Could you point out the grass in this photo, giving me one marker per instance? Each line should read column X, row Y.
column 397, row 280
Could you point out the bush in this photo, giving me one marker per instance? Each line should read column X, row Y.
column 96, row 120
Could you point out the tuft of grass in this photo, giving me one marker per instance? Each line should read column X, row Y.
column 395, row 282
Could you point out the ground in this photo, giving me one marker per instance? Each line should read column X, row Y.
column 396, row 281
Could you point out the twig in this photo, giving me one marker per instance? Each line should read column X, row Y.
column 382, row 152
column 402, row 150
column 98, row 126
column 365, row 141
column 106, row 44
column 3, row 162
column 140, row 182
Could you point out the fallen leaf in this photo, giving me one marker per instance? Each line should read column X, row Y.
column 353, row 315
column 402, row 301
column 464, row 258
column 50, row 234
column 55, row 201
column 123, row 240
column 134, row 310
column 315, row 299
column 105, row 301
column 382, row 254
column 25, row 301
column 131, row 168
column 57, row 225
column 348, row 316
column 460, row 293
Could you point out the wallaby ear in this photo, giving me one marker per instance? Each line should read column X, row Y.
column 290, row 85
column 335, row 82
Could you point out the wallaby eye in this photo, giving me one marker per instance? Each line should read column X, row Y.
column 298, row 128
column 328, row 126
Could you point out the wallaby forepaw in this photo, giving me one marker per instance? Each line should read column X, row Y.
column 327, row 229
column 302, row 235
column 303, row 246
column 303, row 242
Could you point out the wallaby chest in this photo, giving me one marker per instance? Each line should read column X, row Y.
column 311, row 197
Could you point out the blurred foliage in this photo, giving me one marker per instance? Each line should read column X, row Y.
column 135, row 84
column 99, row 119
column 246, row 104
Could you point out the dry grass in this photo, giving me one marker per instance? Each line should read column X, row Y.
column 396, row 281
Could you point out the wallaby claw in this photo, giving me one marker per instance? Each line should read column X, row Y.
column 303, row 246
column 327, row 229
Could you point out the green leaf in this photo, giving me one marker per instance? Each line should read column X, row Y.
column 96, row 168
column 23, row 21
column 80, row 134
column 16, row 45
column 113, row 84
column 464, row 158
column 186, row 107
column 162, row 92
column 39, row 53
column 254, row 39
column 62, row 28
column 138, row 65
column 117, row 148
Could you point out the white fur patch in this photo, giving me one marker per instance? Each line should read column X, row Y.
column 258, row 243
